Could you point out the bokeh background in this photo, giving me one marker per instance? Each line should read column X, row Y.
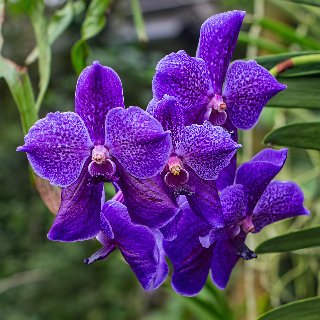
column 40, row 279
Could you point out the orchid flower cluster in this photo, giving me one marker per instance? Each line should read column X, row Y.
column 178, row 194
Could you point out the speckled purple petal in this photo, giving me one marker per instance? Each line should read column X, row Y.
column 138, row 246
column 248, row 87
column 225, row 257
column 138, row 141
column 57, row 147
column 169, row 113
column 204, row 200
column 191, row 262
column 207, row 149
column 234, row 204
column 99, row 89
column 256, row 174
column 185, row 78
column 78, row 216
column 147, row 200
column 280, row 200
column 218, row 37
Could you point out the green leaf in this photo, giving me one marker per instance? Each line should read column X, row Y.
column 296, row 240
column 79, row 54
column 94, row 22
column 19, row 83
column 288, row 33
column 261, row 43
column 138, row 20
column 39, row 24
column 304, row 135
column 307, row 309
column 297, row 71
column 315, row 3
column 302, row 92
column 58, row 23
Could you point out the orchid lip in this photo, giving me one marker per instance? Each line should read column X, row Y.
column 247, row 225
column 100, row 154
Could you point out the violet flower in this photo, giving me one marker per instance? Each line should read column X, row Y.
column 78, row 151
column 248, row 205
column 206, row 87
column 199, row 153
column 138, row 245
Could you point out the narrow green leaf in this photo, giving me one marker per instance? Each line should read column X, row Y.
column 304, row 135
column 261, row 43
column 302, row 92
column 315, row 3
column 79, row 54
column 58, row 23
column 94, row 22
column 296, row 240
column 270, row 61
column 307, row 309
column 288, row 34
column 20, row 87
column 138, row 20
column 39, row 24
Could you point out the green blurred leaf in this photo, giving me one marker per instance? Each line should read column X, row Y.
column 94, row 22
column 58, row 23
column 296, row 240
column 297, row 71
column 40, row 26
column 18, row 81
column 307, row 309
column 304, row 135
column 302, row 92
column 309, row 2
column 138, row 20
column 79, row 54
column 289, row 34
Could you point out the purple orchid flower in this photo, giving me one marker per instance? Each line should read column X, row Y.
column 199, row 153
column 138, row 245
column 207, row 87
column 250, row 204
column 79, row 151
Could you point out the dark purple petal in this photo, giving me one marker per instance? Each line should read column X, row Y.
column 204, row 200
column 169, row 231
column 152, row 105
column 218, row 37
column 78, row 217
column 147, row 200
column 106, row 169
column 170, row 114
column 99, row 89
column 191, row 262
column 185, row 78
column 225, row 257
column 138, row 246
column 280, row 200
column 227, row 174
column 138, row 141
column 173, row 180
column 256, row 174
column 234, row 204
column 102, row 253
column 248, row 87
column 57, row 147
column 207, row 149
column 218, row 118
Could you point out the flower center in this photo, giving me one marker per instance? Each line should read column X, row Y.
column 175, row 165
column 246, row 224
column 100, row 154
column 176, row 176
column 217, row 103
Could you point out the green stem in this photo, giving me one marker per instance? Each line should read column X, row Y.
column 293, row 62
column 1, row 22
